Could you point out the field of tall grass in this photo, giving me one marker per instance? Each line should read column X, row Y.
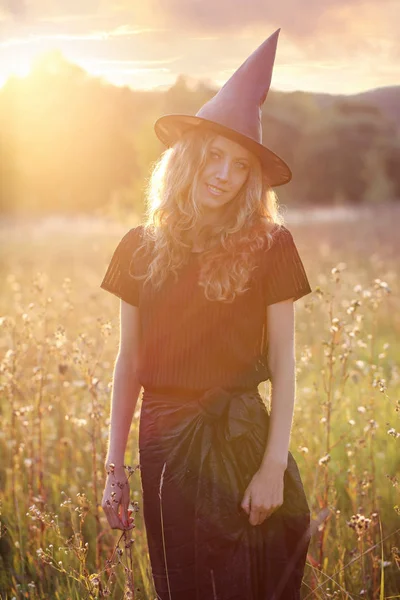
column 59, row 338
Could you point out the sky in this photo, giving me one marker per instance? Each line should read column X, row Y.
column 334, row 46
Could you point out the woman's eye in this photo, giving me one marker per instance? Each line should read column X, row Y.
column 214, row 155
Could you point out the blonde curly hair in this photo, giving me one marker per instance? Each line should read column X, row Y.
column 174, row 221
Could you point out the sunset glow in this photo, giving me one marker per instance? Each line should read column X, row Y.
column 145, row 50
column 18, row 63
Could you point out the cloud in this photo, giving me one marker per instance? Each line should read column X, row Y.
column 21, row 8
column 327, row 26
column 333, row 26
column 87, row 37
column 339, row 41
column 300, row 19
column 16, row 8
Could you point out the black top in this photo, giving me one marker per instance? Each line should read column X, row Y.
column 190, row 342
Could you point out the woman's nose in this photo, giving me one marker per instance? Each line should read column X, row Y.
column 223, row 171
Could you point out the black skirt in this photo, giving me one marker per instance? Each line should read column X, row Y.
column 198, row 453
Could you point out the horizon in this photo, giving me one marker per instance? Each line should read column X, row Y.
column 190, row 79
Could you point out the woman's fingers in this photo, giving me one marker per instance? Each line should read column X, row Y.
column 112, row 517
column 255, row 516
column 265, row 514
column 118, row 515
column 117, row 522
column 125, row 506
column 258, row 514
column 115, row 502
column 246, row 502
column 111, row 510
column 262, row 516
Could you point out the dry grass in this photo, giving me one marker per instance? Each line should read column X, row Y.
column 58, row 343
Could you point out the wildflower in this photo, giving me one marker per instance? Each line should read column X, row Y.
column 324, row 460
column 79, row 422
column 106, row 328
column 371, row 425
column 379, row 284
column 359, row 523
column 94, row 579
column 340, row 267
column 335, row 325
column 382, row 385
column 384, row 563
column 393, row 479
column 393, row 433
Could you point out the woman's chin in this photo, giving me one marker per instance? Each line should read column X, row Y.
column 213, row 203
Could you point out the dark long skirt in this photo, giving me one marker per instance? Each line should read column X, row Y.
column 198, row 453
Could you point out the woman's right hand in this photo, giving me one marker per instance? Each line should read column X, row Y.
column 115, row 501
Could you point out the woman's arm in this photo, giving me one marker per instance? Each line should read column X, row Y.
column 281, row 363
column 264, row 494
column 126, row 386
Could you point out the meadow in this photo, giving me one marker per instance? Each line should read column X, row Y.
column 59, row 338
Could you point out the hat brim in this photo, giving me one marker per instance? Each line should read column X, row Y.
column 169, row 128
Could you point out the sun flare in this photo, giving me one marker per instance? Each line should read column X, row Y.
column 16, row 61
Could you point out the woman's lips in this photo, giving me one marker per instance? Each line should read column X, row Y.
column 214, row 191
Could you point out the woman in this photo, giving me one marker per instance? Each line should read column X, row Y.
column 207, row 287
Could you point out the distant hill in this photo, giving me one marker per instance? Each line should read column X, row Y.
column 387, row 99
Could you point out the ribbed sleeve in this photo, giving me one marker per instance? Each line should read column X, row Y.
column 117, row 278
column 285, row 276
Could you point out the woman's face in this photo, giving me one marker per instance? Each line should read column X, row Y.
column 226, row 170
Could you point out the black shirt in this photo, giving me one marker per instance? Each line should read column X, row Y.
column 190, row 342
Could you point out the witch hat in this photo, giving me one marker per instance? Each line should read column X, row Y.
column 235, row 112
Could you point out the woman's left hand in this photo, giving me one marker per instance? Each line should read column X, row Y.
column 264, row 494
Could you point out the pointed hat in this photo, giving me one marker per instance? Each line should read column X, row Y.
column 235, row 112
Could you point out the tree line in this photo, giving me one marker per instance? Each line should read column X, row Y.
column 71, row 143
